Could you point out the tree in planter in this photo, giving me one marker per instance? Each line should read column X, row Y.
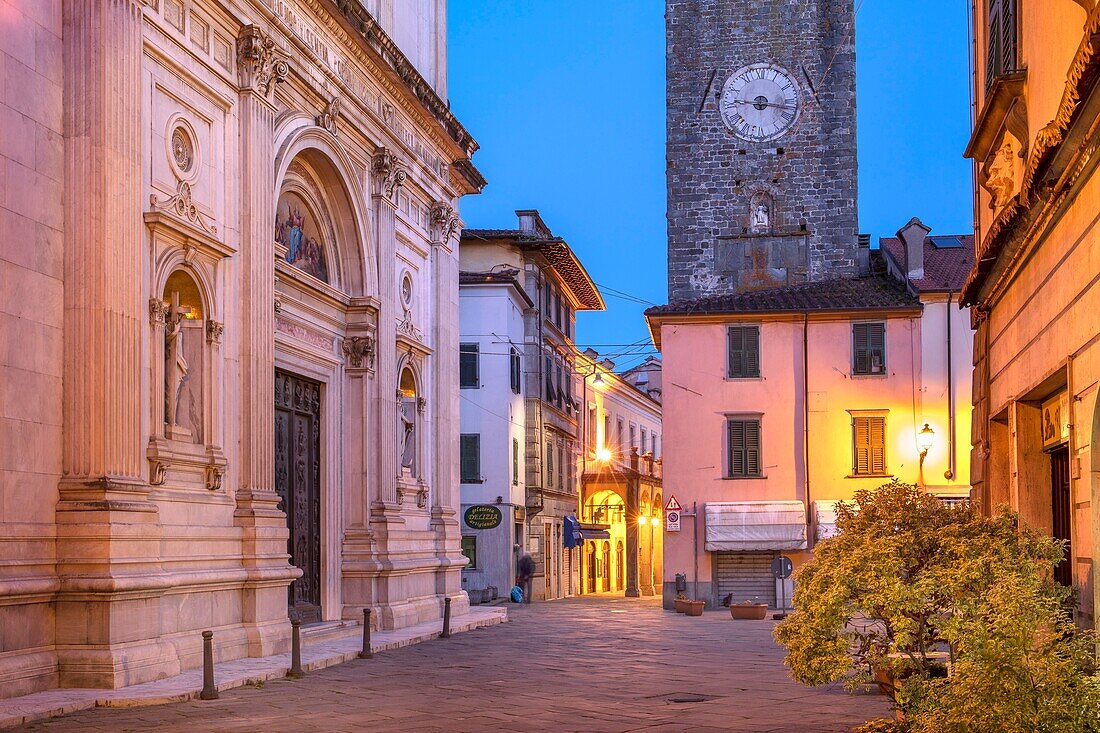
column 908, row 584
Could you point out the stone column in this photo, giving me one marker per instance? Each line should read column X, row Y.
column 264, row 529
column 445, row 407
column 108, row 533
column 388, row 174
column 632, row 501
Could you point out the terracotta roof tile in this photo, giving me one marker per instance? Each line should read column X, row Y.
column 945, row 268
column 875, row 292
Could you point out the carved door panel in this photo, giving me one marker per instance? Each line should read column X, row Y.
column 298, row 483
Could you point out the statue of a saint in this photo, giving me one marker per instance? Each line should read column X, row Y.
column 760, row 217
column 408, row 437
column 176, row 373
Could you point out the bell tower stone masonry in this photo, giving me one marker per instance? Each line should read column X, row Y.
column 761, row 144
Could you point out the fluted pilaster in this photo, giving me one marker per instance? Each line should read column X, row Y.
column 104, row 308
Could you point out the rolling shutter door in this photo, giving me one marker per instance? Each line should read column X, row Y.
column 748, row 576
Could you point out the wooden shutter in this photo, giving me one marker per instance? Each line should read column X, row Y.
column 549, row 464
column 869, row 445
column 744, row 448
column 549, row 379
column 752, row 351
column 467, row 365
column 470, row 450
column 736, row 352
column 515, row 461
column 1000, row 57
column 868, row 348
column 516, row 371
column 878, row 444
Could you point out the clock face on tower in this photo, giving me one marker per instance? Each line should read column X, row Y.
column 759, row 102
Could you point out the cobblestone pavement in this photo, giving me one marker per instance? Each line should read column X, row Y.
column 601, row 665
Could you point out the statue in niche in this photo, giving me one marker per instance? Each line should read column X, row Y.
column 760, row 213
column 176, row 370
column 408, row 434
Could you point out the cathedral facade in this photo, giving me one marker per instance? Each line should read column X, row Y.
column 230, row 325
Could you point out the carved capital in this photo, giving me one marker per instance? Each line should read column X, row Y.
column 331, row 116
column 214, row 475
column 444, row 221
column 158, row 472
column 214, row 332
column 158, row 312
column 389, row 172
column 260, row 65
column 359, row 351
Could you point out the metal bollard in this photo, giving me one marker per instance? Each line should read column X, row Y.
column 209, row 692
column 366, row 653
column 446, row 619
column 295, row 671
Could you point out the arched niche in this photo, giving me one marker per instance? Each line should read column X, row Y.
column 409, row 415
column 185, row 359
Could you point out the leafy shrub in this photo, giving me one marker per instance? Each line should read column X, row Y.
column 910, row 587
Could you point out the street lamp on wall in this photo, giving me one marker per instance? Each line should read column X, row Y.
column 924, row 441
column 603, row 455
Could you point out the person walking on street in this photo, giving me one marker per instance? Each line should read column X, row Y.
column 525, row 570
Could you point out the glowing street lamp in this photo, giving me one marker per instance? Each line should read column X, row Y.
column 924, row 441
column 597, row 381
column 655, row 521
column 603, row 455
column 642, row 519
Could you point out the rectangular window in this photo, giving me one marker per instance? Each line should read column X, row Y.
column 516, row 370
column 868, row 445
column 469, row 549
column 468, row 366
column 561, row 468
column 549, row 465
column 515, row 461
column 641, row 449
column 607, row 430
column 744, row 448
column 743, row 347
column 470, row 451
column 557, row 309
column 549, row 379
column 559, row 395
column 591, row 429
column 868, row 348
column 633, row 438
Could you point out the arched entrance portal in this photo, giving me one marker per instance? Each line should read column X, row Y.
column 320, row 273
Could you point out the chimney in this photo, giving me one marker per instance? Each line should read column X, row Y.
column 912, row 238
column 863, row 253
column 531, row 224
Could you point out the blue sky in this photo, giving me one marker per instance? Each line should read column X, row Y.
column 567, row 102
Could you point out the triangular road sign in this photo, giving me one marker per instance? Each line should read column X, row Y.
column 673, row 505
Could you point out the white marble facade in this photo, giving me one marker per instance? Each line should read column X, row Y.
column 208, row 194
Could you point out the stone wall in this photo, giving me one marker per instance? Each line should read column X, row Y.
column 31, row 321
column 809, row 173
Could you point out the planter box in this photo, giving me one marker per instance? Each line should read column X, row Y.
column 749, row 611
column 681, row 605
column 695, row 608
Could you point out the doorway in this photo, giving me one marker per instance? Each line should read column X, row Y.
column 298, row 484
column 1061, row 511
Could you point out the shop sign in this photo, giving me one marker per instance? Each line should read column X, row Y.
column 1056, row 420
column 482, row 516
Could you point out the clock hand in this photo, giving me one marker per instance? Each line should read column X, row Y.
column 766, row 104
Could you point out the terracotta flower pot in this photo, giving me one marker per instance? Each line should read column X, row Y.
column 749, row 611
column 681, row 605
column 695, row 608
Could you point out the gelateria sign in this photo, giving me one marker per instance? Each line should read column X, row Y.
column 482, row 516
column 1056, row 420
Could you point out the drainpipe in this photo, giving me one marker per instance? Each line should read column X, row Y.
column 950, row 474
column 806, row 426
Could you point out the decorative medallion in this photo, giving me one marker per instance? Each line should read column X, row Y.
column 183, row 150
column 407, row 290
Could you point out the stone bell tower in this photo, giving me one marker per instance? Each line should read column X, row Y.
column 761, row 144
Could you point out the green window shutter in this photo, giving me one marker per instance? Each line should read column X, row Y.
column 868, row 348
column 549, row 464
column 470, row 457
column 515, row 461
column 736, row 340
column 752, row 448
column 468, row 366
column 752, row 351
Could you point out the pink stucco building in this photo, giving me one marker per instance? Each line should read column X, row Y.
column 780, row 402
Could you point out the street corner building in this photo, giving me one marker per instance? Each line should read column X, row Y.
column 799, row 363
column 230, row 317
column 521, row 289
column 1033, row 293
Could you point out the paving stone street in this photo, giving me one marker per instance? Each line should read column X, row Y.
column 588, row 664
